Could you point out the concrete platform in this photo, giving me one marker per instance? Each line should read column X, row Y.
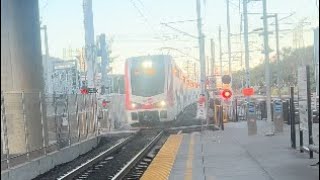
column 233, row 155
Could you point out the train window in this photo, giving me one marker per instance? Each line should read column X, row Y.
column 150, row 80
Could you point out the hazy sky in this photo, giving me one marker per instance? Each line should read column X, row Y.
column 135, row 24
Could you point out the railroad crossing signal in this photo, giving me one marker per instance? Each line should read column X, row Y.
column 226, row 94
column 86, row 90
column 226, row 79
column 105, row 103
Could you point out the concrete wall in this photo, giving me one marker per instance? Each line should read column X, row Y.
column 41, row 165
column 21, row 68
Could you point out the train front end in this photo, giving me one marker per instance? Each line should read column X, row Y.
column 146, row 89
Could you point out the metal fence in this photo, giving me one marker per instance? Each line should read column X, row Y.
column 34, row 124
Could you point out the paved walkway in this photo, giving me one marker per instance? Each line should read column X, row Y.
column 233, row 155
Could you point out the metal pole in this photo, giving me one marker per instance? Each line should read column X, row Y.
column 316, row 58
column 220, row 53
column 77, row 117
column 277, row 47
column 237, row 110
column 279, row 74
column 4, row 131
column 104, row 59
column 201, row 49
column 246, row 42
column 68, row 119
column 25, row 125
column 301, row 139
column 212, row 56
column 208, row 66
column 221, row 112
column 44, row 146
column 267, row 66
column 309, row 112
column 229, row 41
column 46, row 68
column 89, row 41
column 293, row 122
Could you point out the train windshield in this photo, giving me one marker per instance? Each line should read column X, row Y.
column 147, row 77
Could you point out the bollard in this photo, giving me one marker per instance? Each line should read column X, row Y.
column 278, row 115
column 221, row 117
column 285, row 111
column 251, row 119
column 292, row 120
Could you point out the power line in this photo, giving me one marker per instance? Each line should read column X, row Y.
column 145, row 19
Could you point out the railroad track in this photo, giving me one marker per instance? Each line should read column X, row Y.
column 118, row 161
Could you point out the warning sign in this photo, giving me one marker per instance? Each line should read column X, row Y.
column 201, row 108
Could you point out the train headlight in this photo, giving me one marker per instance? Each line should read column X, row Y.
column 147, row 64
column 163, row 103
column 133, row 105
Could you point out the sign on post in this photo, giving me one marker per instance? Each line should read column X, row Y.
column 92, row 90
column 201, row 108
column 247, row 91
column 303, row 98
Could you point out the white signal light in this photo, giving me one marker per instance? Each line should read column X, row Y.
column 147, row 64
column 163, row 103
column 133, row 105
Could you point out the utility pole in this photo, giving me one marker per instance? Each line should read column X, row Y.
column 316, row 58
column 220, row 48
column 104, row 59
column 229, row 41
column 246, row 42
column 46, row 61
column 267, row 66
column 89, row 42
column 279, row 75
column 201, row 50
column 208, row 65
column 212, row 57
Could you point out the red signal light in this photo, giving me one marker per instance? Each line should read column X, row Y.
column 104, row 103
column 84, row 91
column 226, row 94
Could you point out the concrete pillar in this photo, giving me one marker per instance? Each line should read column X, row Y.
column 21, row 70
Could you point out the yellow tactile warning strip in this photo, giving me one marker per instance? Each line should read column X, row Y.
column 161, row 165
column 188, row 172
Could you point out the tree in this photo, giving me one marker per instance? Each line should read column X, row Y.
column 290, row 61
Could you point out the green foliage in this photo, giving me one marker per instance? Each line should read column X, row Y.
column 290, row 60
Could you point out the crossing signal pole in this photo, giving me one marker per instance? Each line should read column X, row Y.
column 229, row 40
column 220, row 53
column 201, row 50
column 267, row 66
column 246, row 42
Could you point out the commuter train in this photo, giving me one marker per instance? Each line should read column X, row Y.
column 156, row 89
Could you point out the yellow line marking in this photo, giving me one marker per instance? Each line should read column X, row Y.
column 188, row 172
column 161, row 165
